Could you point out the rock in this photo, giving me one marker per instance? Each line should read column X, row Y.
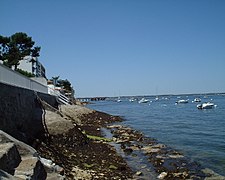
column 81, row 174
column 181, row 175
column 9, row 157
column 150, row 149
column 114, row 126
column 24, row 149
column 135, row 147
column 5, row 176
column 123, row 146
column 128, row 150
column 125, row 135
column 138, row 173
column 47, row 163
column 53, row 171
column 212, row 175
column 75, row 111
column 58, row 169
column 162, row 175
column 55, row 176
column 57, row 124
column 176, row 156
column 161, row 157
column 143, row 167
column 159, row 146
column 11, row 153
column 31, row 168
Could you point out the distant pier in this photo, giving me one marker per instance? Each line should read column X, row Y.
column 92, row 99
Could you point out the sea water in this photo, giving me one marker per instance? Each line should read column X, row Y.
column 199, row 134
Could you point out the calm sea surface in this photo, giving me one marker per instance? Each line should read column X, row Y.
column 199, row 134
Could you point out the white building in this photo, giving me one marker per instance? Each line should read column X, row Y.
column 32, row 65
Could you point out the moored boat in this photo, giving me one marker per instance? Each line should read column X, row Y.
column 143, row 100
column 197, row 100
column 132, row 99
column 118, row 99
column 182, row 101
column 207, row 105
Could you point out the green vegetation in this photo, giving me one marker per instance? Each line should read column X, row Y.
column 14, row 48
column 97, row 138
column 64, row 84
column 25, row 73
column 113, row 167
column 88, row 165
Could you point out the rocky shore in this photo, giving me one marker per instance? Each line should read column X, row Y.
column 79, row 147
column 76, row 146
column 85, row 152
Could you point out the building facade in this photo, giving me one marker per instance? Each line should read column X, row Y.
column 32, row 65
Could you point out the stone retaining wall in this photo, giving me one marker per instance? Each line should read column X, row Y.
column 21, row 112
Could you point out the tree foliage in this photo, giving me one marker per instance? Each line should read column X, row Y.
column 65, row 84
column 14, row 48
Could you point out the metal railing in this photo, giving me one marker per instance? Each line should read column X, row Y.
column 60, row 97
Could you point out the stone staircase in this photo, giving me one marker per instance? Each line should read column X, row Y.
column 20, row 161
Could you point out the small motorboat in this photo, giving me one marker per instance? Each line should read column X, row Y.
column 131, row 99
column 182, row 101
column 143, row 100
column 197, row 100
column 207, row 105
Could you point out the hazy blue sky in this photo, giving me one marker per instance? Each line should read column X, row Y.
column 126, row 47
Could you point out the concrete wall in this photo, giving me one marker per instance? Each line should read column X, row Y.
column 11, row 77
column 21, row 113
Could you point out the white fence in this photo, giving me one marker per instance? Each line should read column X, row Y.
column 8, row 76
column 60, row 97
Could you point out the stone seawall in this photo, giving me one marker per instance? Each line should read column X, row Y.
column 21, row 112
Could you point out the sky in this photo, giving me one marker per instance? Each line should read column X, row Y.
column 125, row 47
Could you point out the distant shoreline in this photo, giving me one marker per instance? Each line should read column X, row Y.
column 159, row 95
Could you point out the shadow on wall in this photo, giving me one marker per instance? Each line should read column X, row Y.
column 21, row 113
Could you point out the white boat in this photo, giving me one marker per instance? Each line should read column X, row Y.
column 143, row 100
column 207, row 105
column 131, row 99
column 182, row 101
column 197, row 100
column 118, row 100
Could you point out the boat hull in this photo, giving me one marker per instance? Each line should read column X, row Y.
column 206, row 106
